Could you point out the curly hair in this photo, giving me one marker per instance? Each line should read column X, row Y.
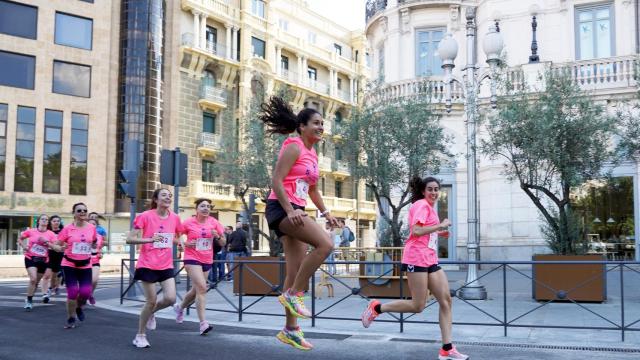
column 417, row 186
column 279, row 116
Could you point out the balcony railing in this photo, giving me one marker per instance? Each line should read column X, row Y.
column 324, row 163
column 187, row 40
column 344, row 95
column 214, row 7
column 289, row 75
column 431, row 88
column 320, row 87
column 213, row 93
column 342, row 166
column 210, row 141
column 373, row 7
column 619, row 71
column 215, row 48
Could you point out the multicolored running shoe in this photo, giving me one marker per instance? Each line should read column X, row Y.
column 295, row 304
column 294, row 338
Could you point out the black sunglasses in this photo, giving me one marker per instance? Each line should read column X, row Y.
column 84, row 211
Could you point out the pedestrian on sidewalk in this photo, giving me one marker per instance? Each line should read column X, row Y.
column 157, row 230
column 77, row 240
column 420, row 262
column 35, row 244
column 202, row 232
column 294, row 180
column 96, row 255
column 237, row 247
column 52, row 276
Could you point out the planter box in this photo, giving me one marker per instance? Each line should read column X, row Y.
column 390, row 289
column 579, row 282
column 274, row 273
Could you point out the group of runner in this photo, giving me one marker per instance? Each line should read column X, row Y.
column 74, row 249
column 295, row 178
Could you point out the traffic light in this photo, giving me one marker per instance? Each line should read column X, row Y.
column 128, row 184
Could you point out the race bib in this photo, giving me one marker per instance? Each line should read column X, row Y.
column 433, row 241
column 166, row 242
column 39, row 250
column 81, row 248
column 203, row 244
column 302, row 189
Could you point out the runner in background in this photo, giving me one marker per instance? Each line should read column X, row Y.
column 35, row 243
column 96, row 255
column 53, row 276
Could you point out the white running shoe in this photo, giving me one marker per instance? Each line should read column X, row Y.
column 140, row 341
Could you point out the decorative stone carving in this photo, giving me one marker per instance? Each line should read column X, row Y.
column 384, row 23
column 405, row 20
column 454, row 17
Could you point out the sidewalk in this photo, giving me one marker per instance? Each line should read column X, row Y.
column 344, row 317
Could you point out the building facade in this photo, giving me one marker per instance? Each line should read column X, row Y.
column 596, row 40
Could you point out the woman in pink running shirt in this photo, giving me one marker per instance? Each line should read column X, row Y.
column 294, row 180
column 76, row 240
column 202, row 231
column 96, row 255
column 420, row 262
column 156, row 230
column 35, row 243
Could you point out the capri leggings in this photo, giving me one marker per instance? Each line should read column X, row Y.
column 78, row 283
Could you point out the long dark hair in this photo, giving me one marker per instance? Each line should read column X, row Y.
column 154, row 197
column 279, row 116
column 417, row 185
column 51, row 219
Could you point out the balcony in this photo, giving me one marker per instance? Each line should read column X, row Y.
column 432, row 88
column 222, row 195
column 290, row 76
column 324, row 165
column 212, row 97
column 218, row 9
column 210, row 144
column 373, row 7
column 601, row 74
column 338, row 131
column 344, row 96
column 318, row 87
column 341, row 170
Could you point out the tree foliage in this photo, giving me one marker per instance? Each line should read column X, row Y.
column 552, row 141
column 391, row 141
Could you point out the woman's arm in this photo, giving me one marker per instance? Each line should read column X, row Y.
column 314, row 195
column 419, row 230
column 134, row 237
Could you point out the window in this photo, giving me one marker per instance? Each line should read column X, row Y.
column 258, row 47
column 312, row 73
column 338, row 151
column 311, row 37
column 427, row 61
column 381, row 63
column 338, row 49
column 208, row 171
column 73, row 31
column 71, row 79
column 368, row 59
column 257, row 8
column 18, row 19
column 79, row 144
column 25, row 139
column 17, row 70
column 339, row 84
column 284, row 24
column 52, row 157
column 356, row 55
column 338, row 122
column 212, row 39
column 595, row 32
column 338, row 189
column 368, row 194
column 284, row 62
column 208, row 80
column 208, row 123
column 4, row 115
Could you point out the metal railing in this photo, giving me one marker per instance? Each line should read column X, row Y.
column 386, row 270
column 211, row 140
column 213, row 93
column 373, row 7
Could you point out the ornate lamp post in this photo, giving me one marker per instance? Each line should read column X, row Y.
column 448, row 50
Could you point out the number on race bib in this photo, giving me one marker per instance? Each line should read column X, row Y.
column 302, row 189
column 203, row 244
column 39, row 250
column 433, row 241
column 167, row 240
column 81, row 248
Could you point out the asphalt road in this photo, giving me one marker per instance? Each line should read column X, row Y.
column 39, row 335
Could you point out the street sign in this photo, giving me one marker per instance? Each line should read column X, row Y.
column 168, row 168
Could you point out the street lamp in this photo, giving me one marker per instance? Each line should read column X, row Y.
column 448, row 50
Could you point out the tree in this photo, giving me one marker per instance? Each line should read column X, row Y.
column 389, row 142
column 552, row 141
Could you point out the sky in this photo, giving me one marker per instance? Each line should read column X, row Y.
column 348, row 13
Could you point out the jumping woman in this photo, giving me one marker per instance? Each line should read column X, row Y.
column 420, row 262
column 294, row 180
column 156, row 230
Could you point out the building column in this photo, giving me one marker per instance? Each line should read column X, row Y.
column 203, row 31
column 299, row 80
column 305, row 76
column 196, row 28
column 228, row 41
column 351, row 89
column 278, row 63
column 332, row 72
column 234, row 43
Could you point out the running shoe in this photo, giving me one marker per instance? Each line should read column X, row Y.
column 370, row 313
column 140, row 341
column 452, row 354
column 294, row 338
column 205, row 327
column 295, row 304
column 70, row 324
column 179, row 313
column 151, row 323
column 28, row 305
column 46, row 297
column 92, row 300
column 80, row 313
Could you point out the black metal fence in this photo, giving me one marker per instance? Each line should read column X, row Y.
column 621, row 322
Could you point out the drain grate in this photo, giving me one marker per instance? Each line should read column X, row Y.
column 531, row 346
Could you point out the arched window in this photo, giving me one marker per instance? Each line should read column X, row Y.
column 208, row 80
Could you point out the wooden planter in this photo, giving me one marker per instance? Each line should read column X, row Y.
column 578, row 282
column 274, row 273
column 390, row 289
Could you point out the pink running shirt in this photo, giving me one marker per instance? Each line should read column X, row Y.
column 37, row 246
column 157, row 255
column 201, row 235
column 79, row 243
column 421, row 250
column 95, row 259
column 303, row 174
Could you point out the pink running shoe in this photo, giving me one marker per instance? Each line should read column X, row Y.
column 295, row 304
column 92, row 300
column 141, row 341
column 151, row 323
column 369, row 313
column 205, row 327
column 452, row 354
column 179, row 313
